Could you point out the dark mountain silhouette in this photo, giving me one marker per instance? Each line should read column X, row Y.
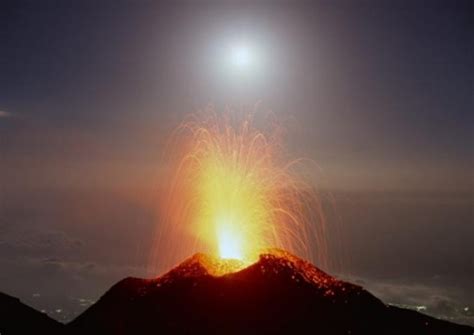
column 17, row 318
column 279, row 294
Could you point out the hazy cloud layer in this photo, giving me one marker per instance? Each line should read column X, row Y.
column 438, row 296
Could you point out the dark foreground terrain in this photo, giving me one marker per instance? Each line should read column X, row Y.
column 279, row 294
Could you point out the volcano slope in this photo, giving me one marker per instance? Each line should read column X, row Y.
column 17, row 318
column 279, row 294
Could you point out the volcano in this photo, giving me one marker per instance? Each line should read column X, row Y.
column 278, row 294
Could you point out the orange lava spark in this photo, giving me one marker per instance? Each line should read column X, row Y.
column 232, row 193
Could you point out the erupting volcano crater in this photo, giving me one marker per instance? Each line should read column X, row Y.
column 278, row 294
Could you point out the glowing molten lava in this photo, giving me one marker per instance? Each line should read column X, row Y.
column 233, row 193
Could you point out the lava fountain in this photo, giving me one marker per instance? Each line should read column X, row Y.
column 233, row 192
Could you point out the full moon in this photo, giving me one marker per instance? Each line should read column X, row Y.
column 243, row 57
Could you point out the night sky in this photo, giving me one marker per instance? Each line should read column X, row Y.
column 378, row 93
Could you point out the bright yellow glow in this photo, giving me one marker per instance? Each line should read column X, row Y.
column 229, row 239
column 233, row 203
column 233, row 193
